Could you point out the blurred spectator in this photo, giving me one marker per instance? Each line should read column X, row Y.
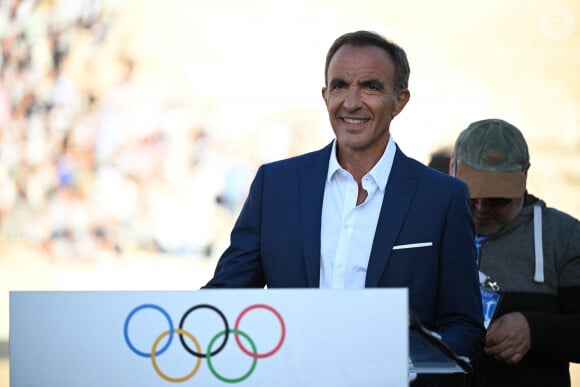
column 85, row 175
column 440, row 160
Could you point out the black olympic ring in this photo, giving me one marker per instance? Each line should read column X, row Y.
column 226, row 335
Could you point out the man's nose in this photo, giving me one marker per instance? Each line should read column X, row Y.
column 480, row 204
column 352, row 100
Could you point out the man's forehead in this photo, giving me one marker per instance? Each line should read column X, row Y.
column 360, row 59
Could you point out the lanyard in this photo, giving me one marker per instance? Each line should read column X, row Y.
column 479, row 239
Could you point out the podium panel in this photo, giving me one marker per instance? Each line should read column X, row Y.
column 245, row 337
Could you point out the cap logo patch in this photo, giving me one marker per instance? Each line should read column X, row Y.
column 493, row 158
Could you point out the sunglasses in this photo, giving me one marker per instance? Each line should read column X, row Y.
column 493, row 202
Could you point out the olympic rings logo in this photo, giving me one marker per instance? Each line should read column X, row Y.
column 211, row 351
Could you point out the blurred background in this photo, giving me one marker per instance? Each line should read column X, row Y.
column 130, row 129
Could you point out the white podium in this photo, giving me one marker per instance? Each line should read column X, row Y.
column 291, row 337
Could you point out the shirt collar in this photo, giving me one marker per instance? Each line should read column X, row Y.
column 380, row 172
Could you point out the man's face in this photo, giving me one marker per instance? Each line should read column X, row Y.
column 492, row 214
column 359, row 97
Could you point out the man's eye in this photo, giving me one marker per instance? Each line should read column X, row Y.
column 338, row 84
column 373, row 86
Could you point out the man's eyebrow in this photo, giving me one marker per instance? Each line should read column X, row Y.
column 374, row 82
column 337, row 81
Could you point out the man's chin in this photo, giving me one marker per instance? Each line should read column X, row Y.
column 487, row 229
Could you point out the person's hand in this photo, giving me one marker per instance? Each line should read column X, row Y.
column 508, row 338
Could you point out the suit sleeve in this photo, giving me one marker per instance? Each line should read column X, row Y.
column 240, row 266
column 459, row 317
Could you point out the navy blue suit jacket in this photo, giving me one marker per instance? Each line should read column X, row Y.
column 276, row 241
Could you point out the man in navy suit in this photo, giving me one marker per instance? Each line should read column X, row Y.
column 359, row 213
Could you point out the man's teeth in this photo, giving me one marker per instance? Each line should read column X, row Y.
column 354, row 121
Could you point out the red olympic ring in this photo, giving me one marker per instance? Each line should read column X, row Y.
column 283, row 335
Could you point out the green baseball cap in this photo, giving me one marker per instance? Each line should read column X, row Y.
column 492, row 157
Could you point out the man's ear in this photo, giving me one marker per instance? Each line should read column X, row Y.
column 452, row 165
column 402, row 99
column 526, row 174
column 324, row 95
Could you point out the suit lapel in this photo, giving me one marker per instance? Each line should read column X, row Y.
column 396, row 202
column 312, row 182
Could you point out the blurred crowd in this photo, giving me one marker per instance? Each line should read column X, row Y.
column 84, row 173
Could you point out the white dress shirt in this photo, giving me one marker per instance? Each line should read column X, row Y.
column 348, row 230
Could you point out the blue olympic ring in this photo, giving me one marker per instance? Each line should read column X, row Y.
column 126, row 330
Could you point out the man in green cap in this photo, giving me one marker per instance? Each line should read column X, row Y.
column 528, row 259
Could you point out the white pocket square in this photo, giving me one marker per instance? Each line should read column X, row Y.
column 412, row 245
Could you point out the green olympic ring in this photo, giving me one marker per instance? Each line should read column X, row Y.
column 213, row 370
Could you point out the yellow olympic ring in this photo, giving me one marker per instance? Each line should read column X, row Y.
column 154, row 357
